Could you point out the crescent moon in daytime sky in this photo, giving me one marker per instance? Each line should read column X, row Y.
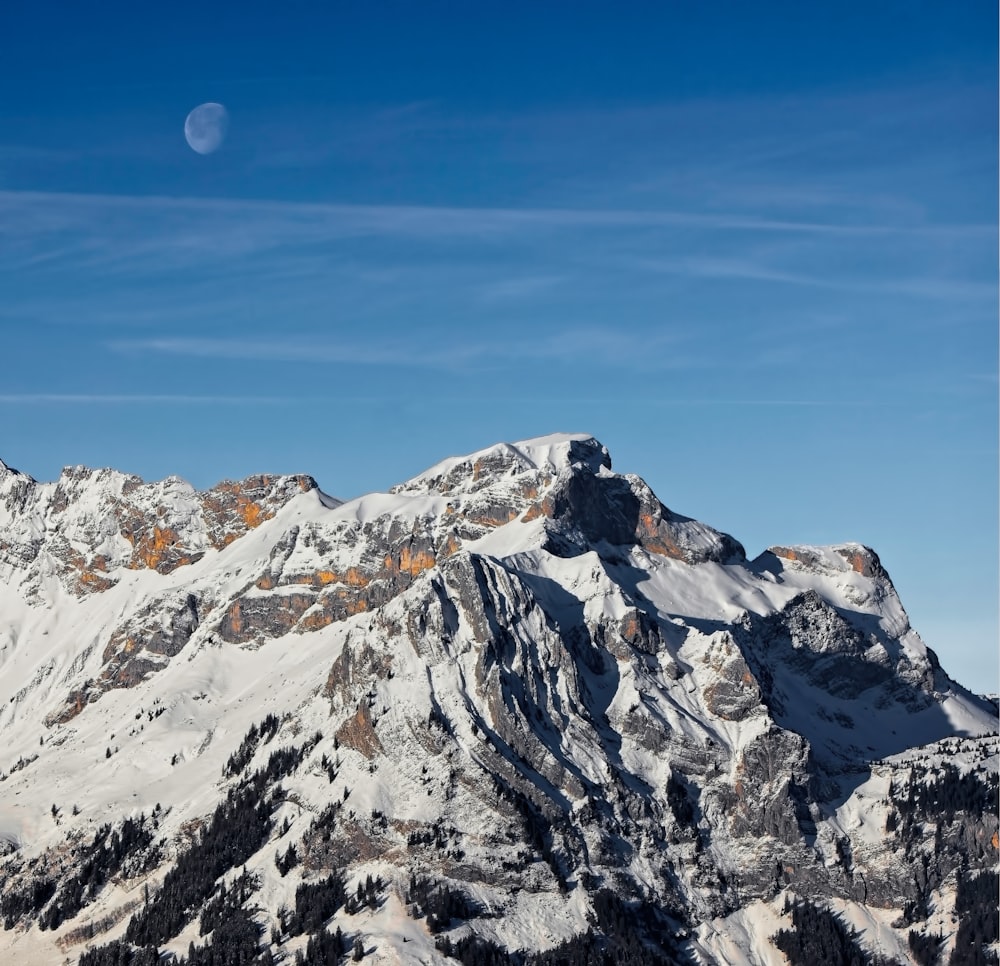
column 205, row 127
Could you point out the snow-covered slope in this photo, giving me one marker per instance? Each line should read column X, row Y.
column 518, row 691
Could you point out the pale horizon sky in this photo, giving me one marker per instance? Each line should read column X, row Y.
column 752, row 250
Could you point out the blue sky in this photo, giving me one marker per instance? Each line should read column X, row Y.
column 751, row 247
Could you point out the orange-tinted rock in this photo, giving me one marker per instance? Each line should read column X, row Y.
column 234, row 619
column 91, row 576
column 536, row 510
column 250, row 618
column 156, row 551
column 415, row 563
column 339, row 678
column 640, row 631
column 331, row 608
column 323, row 578
column 316, row 620
column 408, row 561
column 358, row 732
column 232, row 509
column 76, row 701
column 253, row 516
column 863, row 560
column 451, row 545
column 492, row 519
column 129, row 674
column 90, row 581
column 157, row 526
column 798, row 556
column 656, row 537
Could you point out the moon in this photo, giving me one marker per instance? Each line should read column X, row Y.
column 205, row 127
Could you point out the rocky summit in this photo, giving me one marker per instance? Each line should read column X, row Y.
column 515, row 710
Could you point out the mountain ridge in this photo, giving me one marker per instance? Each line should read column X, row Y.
column 519, row 645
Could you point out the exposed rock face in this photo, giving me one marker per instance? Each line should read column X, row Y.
column 733, row 692
column 91, row 524
column 518, row 673
column 230, row 509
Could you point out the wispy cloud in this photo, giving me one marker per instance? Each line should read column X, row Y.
column 752, row 270
column 519, row 287
column 610, row 346
column 779, row 403
column 116, row 399
column 181, row 262
column 33, row 153
column 182, row 220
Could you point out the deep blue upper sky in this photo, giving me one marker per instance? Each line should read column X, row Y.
column 751, row 247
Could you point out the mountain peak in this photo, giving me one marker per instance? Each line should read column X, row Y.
column 545, row 455
column 8, row 470
column 836, row 558
column 565, row 481
column 560, row 450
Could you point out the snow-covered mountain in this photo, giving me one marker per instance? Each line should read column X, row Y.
column 513, row 710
